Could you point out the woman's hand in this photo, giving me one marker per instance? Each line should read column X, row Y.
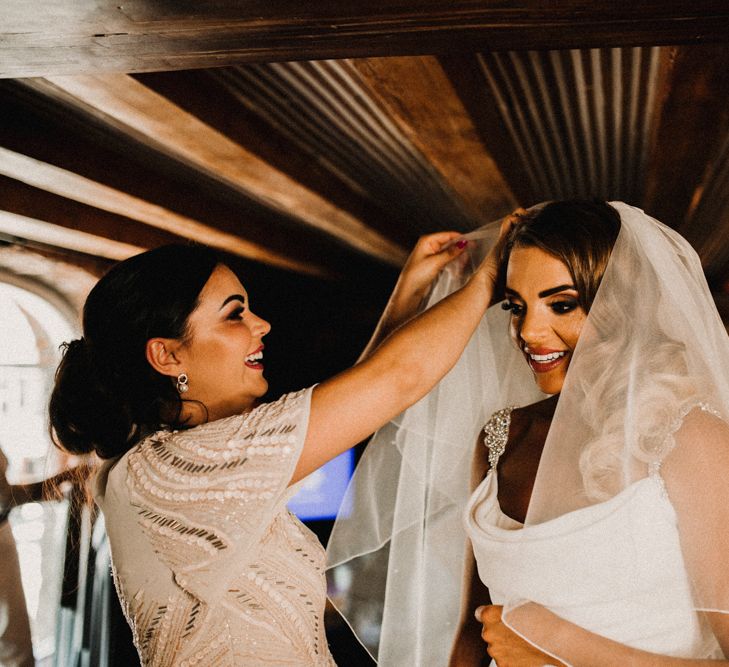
column 492, row 262
column 506, row 647
column 429, row 256
column 427, row 259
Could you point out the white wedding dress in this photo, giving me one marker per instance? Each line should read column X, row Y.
column 600, row 545
column 610, row 568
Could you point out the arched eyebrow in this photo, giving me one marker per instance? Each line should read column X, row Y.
column 555, row 290
column 543, row 293
column 233, row 297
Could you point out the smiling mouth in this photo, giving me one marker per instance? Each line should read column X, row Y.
column 542, row 363
column 253, row 360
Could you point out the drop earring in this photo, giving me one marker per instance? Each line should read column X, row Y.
column 182, row 385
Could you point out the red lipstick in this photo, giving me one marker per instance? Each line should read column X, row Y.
column 253, row 360
column 546, row 360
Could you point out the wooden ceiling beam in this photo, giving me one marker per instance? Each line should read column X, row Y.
column 34, row 203
column 240, row 118
column 40, row 129
column 82, row 36
column 325, row 109
column 127, row 105
column 691, row 121
column 466, row 76
column 77, row 188
column 15, row 228
column 421, row 101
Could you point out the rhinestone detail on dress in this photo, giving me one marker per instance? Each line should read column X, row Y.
column 496, row 434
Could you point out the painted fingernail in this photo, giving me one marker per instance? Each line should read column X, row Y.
column 462, row 243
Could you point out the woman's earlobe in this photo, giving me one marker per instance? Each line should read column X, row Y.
column 161, row 355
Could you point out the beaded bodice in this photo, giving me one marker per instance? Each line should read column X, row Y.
column 210, row 566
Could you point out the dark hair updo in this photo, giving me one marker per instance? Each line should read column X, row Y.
column 106, row 395
column 580, row 233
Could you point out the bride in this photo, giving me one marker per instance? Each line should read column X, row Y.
column 587, row 526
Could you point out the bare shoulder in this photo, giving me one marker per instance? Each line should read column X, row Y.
column 700, row 443
column 701, row 428
column 535, row 415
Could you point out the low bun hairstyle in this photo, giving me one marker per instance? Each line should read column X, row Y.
column 106, row 395
column 580, row 233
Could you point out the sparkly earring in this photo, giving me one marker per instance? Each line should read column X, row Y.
column 182, row 385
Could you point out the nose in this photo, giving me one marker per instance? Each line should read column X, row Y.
column 532, row 328
column 259, row 326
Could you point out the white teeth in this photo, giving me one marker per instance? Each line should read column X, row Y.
column 542, row 358
column 256, row 356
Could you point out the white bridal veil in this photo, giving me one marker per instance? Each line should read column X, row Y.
column 653, row 353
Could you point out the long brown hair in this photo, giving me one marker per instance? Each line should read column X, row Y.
column 106, row 395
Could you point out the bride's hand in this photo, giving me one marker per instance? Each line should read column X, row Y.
column 506, row 647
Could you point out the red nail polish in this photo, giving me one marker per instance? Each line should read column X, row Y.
column 462, row 243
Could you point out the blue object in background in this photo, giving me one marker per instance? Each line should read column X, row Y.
column 322, row 491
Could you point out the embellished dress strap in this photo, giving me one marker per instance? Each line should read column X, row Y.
column 654, row 466
column 496, row 435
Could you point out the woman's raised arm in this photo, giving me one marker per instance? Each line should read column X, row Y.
column 429, row 256
column 400, row 370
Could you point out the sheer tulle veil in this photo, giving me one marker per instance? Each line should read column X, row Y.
column 653, row 349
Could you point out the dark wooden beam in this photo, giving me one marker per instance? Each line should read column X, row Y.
column 37, row 204
column 37, row 127
column 193, row 90
column 422, row 102
column 467, row 79
column 95, row 266
column 81, row 36
column 129, row 107
column 691, row 121
column 326, row 109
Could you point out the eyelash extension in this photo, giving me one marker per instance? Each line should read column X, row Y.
column 515, row 308
column 563, row 307
column 559, row 307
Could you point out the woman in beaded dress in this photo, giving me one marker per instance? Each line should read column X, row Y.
column 210, row 566
column 596, row 507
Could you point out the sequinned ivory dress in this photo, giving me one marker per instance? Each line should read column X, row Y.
column 210, row 566
column 610, row 568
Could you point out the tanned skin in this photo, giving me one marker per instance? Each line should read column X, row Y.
column 517, row 471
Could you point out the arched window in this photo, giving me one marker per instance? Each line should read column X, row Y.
column 33, row 323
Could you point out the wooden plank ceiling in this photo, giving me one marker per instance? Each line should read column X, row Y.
column 323, row 139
